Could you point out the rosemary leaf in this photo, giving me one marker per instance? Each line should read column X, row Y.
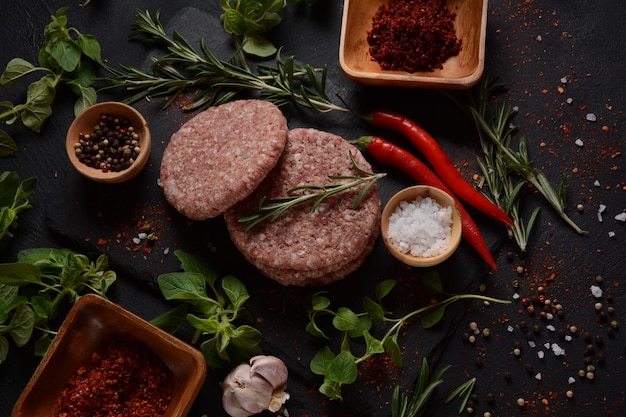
column 272, row 208
column 507, row 171
column 183, row 69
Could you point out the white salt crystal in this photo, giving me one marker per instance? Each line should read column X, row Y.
column 621, row 217
column 569, row 100
column 557, row 350
column 591, row 117
column 551, row 327
column 142, row 235
column 596, row 291
column 166, row 251
column 546, row 345
column 538, row 376
column 571, row 380
column 568, row 337
column 510, row 328
column 564, row 80
column 516, row 295
column 421, row 227
column 579, row 142
column 540, row 354
column 532, row 344
column 601, row 208
column 596, row 183
column 611, row 234
column 136, row 240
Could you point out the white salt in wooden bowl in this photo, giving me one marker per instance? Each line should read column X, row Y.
column 410, row 194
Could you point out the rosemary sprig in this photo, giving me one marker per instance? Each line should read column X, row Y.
column 273, row 208
column 464, row 391
column 507, row 171
column 414, row 406
column 217, row 81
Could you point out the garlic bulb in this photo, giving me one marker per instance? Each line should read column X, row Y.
column 251, row 388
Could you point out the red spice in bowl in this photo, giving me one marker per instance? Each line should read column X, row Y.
column 91, row 324
column 123, row 377
column 413, row 35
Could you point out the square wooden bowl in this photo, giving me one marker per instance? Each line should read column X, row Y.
column 91, row 322
column 459, row 72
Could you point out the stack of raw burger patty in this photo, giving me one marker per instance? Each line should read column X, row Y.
column 228, row 158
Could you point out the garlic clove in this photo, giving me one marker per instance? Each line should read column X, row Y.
column 244, row 393
column 272, row 369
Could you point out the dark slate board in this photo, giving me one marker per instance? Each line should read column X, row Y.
column 100, row 218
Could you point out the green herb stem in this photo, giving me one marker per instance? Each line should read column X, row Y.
column 218, row 81
column 273, row 208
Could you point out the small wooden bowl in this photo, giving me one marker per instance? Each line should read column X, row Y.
column 92, row 321
column 410, row 194
column 459, row 72
column 85, row 123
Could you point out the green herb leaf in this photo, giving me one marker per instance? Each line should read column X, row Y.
column 343, row 369
column 16, row 70
column 345, row 319
column 182, row 286
column 7, row 144
column 322, row 361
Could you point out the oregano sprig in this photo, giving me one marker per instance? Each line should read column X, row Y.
column 214, row 312
column 33, row 288
column 13, row 200
column 67, row 56
column 341, row 368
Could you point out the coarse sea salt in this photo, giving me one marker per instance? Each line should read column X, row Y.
column 421, row 227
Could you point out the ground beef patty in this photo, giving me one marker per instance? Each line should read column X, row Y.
column 303, row 247
column 221, row 155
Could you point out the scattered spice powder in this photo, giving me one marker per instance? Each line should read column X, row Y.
column 413, row 35
column 121, row 378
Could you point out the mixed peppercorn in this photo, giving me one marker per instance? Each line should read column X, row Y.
column 113, row 146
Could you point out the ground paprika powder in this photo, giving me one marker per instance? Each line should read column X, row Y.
column 121, row 378
column 413, row 35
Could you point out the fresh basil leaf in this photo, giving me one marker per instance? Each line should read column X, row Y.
column 172, row 320
column 182, row 286
column 86, row 98
column 4, row 348
column 191, row 263
column 66, row 53
column 90, row 46
column 16, row 69
column 235, row 291
column 22, row 324
column 343, row 368
column 19, row 274
column 345, row 319
column 9, row 183
column 7, row 144
column 258, row 45
column 322, row 361
column 234, row 22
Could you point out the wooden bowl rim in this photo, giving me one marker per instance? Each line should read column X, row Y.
column 87, row 119
column 410, row 194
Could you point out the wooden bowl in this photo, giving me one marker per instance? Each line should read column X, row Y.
column 85, row 123
column 91, row 322
column 459, row 72
column 410, row 194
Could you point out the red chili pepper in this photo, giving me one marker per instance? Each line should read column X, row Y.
column 440, row 161
column 392, row 155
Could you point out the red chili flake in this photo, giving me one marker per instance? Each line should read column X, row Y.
column 413, row 35
column 122, row 378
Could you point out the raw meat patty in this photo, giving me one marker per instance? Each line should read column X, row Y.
column 303, row 247
column 221, row 155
